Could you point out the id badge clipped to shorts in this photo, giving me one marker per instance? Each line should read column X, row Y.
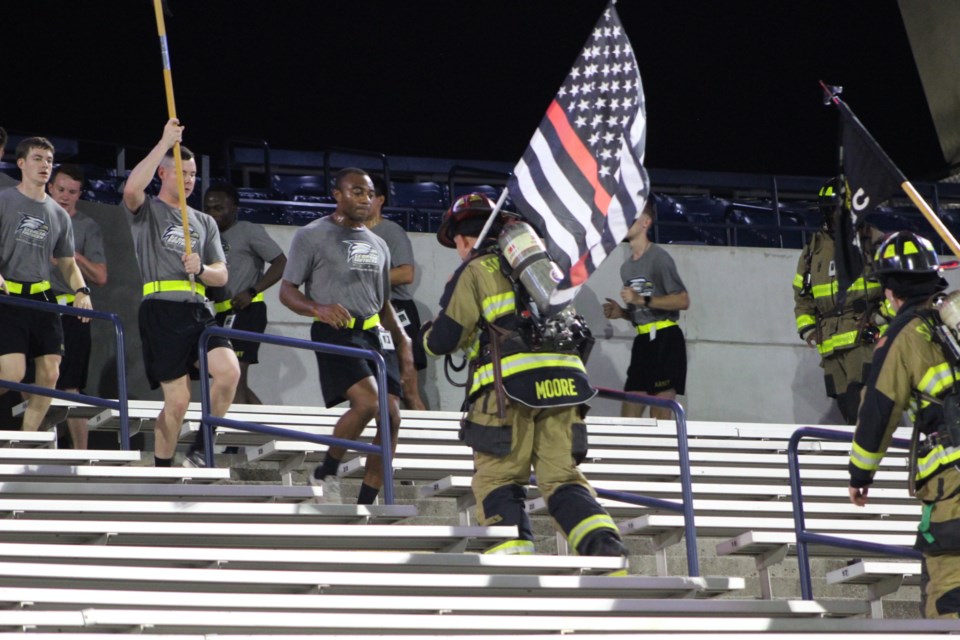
column 402, row 318
column 386, row 340
column 229, row 320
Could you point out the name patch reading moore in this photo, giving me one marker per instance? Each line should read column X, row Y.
column 556, row 388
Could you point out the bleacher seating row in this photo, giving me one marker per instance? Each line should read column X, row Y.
column 101, row 544
column 740, row 480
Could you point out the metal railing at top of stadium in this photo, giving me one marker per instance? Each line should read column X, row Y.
column 805, row 537
column 120, row 404
column 208, row 421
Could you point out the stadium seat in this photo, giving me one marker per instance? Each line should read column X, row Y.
column 421, row 195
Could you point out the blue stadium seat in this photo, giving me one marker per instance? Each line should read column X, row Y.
column 421, row 195
column 309, row 185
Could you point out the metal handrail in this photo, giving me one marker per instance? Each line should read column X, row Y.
column 799, row 523
column 208, row 421
column 686, row 483
column 120, row 404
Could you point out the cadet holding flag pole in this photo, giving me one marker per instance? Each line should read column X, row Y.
column 159, row 8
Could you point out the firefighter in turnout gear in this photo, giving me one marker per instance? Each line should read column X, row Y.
column 844, row 335
column 524, row 407
column 911, row 372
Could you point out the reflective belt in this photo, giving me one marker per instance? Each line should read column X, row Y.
column 16, row 288
column 65, row 298
column 655, row 326
column 521, row 362
column 161, row 286
column 369, row 323
column 226, row 305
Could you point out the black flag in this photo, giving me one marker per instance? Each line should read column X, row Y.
column 870, row 178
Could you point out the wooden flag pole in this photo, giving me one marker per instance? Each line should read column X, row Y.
column 931, row 217
column 172, row 114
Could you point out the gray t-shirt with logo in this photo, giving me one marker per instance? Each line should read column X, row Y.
column 158, row 241
column 88, row 242
column 652, row 274
column 247, row 247
column 340, row 265
column 401, row 253
column 30, row 233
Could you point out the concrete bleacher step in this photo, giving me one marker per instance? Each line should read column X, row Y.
column 346, row 582
column 141, row 489
column 458, row 485
column 39, row 472
column 881, row 578
column 28, row 439
column 230, row 625
column 729, row 526
column 433, row 469
column 236, row 534
column 47, row 598
column 760, row 509
column 313, row 559
column 41, row 456
column 169, row 511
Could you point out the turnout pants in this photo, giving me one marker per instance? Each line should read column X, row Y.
column 939, row 539
column 544, row 440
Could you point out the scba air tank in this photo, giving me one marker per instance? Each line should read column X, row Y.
column 528, row 258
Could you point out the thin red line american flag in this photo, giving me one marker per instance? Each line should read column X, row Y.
column 581, row 181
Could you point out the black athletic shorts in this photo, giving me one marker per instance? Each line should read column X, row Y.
column 659, row 364
column 252, row 318
column 76, row 356
column 32, row 333
column 339, row 373
column 409, row 318
column 170, row 333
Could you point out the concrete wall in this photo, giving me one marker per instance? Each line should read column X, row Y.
column 746, row 363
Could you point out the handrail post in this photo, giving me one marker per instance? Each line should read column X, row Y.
column 686, row 482
column 799, row 523
column 205, row 405
column 800, row 528
column 122, row 390
column 209, row 422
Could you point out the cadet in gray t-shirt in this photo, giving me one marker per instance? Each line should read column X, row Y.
column 174, row 311
column 344, row 269
column 654, row 295
column 403, row 271
column 240, row 304
column 33, row 231
column 65, row 188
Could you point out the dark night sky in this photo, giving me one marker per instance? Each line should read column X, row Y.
column 730, row 85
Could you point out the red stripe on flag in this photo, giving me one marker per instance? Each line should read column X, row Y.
column 578, row 272
column 581, row 156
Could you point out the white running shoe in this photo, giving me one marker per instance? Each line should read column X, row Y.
column 329, row 489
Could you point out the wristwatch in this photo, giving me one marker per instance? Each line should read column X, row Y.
column 84, row 290
column 252, row 292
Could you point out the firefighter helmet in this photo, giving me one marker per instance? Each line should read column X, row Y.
column 906, row 252
column 829, row 199
column 468, row 207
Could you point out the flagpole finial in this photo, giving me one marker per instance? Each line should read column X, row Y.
column 830, row 92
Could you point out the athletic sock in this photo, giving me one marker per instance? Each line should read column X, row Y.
column 162, row 462
column 367, row 494
column 327, row 468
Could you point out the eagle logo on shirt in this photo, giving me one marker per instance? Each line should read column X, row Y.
column 172, row 239
column 362, row 256
column 32, row 230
